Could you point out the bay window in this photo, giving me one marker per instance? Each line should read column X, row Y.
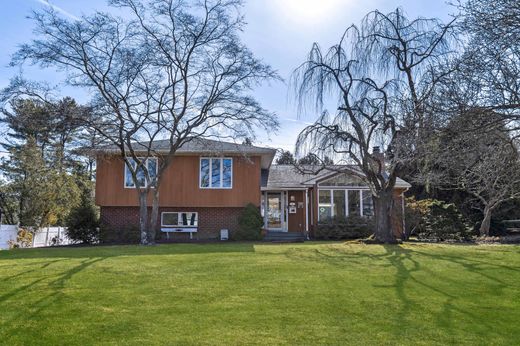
column 216, row 173
column 343, row 203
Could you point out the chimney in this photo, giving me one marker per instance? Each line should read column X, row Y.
column 378, row 154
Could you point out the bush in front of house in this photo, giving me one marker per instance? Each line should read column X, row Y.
column 434, row 220
column 339, row 228
column 83, row 223
column 120, row 235
column 250, row 224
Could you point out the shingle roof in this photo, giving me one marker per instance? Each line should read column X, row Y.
column 195, row 145
column 287, row 176
column 198, row 146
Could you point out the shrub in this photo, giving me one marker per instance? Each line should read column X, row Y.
column 123, row 235
column 24, row 239
column 435, row 220
column 83, row 223
column 250, row 224
column 351, row 227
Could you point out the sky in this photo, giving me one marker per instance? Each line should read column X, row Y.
column 280, row 32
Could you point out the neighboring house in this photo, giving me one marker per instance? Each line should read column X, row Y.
column 209, row 182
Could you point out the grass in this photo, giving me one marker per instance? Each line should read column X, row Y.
column 235, row 294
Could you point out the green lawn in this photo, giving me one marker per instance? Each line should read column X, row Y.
column 236, row 294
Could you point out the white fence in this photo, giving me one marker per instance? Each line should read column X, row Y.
column 50, row 236
column 7, row 232
column 47, row 236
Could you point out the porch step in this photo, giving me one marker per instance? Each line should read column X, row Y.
column 284, row 237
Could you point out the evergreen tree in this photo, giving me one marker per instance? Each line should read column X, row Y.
column 285, row 158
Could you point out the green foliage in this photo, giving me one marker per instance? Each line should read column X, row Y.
column 83, row 222
column 313, row 159
column 41, row 170
column 285, row 158
column 24, row 239
column 434, row 220
column 250, row 224
column 351, row 227
column 8, row 204
column 44, row 195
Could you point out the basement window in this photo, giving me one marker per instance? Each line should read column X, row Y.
column 179, row 219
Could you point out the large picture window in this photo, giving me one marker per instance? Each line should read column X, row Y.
column 151, row 165
column 216, row 173
column 344, row 202
column 179, row 219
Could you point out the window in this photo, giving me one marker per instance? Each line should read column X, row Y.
column 216, row 173
column 368, row 203
column 325, row 204
column 339, row 203
column 354, row 202
column 151, row 165
column 179, row 219
column 344, row 202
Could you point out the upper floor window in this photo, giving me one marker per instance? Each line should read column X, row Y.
column 216, row 173
column 151, row 165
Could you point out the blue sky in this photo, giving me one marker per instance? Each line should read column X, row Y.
column 280, row 32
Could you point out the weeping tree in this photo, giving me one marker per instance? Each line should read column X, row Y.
column 170, row 69
column 380, row 73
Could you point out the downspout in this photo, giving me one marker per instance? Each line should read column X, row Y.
column 403, row 210
column 307, row 213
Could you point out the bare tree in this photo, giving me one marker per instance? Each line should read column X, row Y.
column 171, row 69
column 475, row 154
column 378, row 72
column 487, row 73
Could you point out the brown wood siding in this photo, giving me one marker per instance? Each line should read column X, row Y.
column 180, row 184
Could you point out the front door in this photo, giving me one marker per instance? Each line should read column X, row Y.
column 275, row 211
column 296, row 213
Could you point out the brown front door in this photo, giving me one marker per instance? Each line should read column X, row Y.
column 296, row 211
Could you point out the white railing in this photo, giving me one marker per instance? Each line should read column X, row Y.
column 7, row 232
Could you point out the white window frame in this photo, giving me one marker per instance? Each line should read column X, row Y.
column 221, row 159
column 331, row 204
column 146, row 163
column 179, row 216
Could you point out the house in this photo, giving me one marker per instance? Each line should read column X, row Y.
column 209, row 182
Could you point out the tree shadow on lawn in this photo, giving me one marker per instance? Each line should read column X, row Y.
column 407, row 264
column 18, row 321
column 106, row 251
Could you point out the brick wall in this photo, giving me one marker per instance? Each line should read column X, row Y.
column 121, row 224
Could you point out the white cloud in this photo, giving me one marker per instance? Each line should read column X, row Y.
column 58, row 9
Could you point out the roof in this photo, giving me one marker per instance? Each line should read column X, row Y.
column 198, row 146
column 288, row 177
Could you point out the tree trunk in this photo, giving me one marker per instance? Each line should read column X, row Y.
column 383, row 207
column 143, row 216
column 154, row 217
column 486, row 222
